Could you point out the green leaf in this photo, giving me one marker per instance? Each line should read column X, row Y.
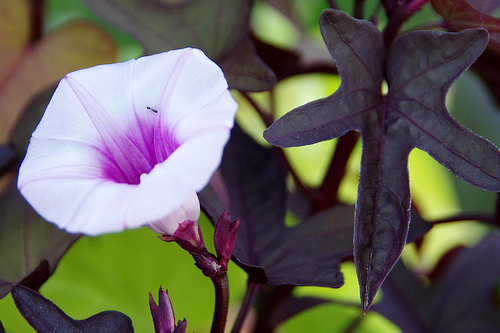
column 419, row 69
column 218, row 27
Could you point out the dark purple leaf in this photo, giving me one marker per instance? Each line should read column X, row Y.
column 7, row 158
column 284, row 63
column 29, row 121
column 311, row 252
column 244, row 70
column 462, row 298
column 45, row 316
column 218, row 27
column 37, row 277
column 287, row 63
column 25, row 238
column 419, row 69
column 402, row 293
column 270, row 252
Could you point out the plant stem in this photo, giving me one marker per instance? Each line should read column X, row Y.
column 359, row 7
column 36, row 18
column 221, row 285
column 468, row 217
column 333, row 4
column 266, row 118
column 252, row 289
column 415, row 5
column 397, row 16
column 269, row 299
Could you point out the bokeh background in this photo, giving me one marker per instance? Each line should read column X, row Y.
column 116, row 272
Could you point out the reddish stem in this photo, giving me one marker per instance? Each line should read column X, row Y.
column 333, row 4
column 36, row 18
column 397, row 16
column 359, row 7
column 252, row 289
column 266, row 118
column 468, row 217
column 221, row 285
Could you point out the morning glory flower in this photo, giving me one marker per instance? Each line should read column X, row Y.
column 129, row 144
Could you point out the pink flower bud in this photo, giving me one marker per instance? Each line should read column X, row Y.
column 188, row 236
column 163, row 313
column 224, row 238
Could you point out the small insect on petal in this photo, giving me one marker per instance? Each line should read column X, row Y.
column 144, row 169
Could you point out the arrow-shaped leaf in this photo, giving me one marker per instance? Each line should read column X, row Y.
column 419, row 70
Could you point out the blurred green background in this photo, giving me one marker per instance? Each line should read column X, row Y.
column 116, row 272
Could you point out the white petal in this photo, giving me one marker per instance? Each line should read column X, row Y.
column 189, row 210
column 107, row 125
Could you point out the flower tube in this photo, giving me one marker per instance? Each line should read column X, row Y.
column 129, row 144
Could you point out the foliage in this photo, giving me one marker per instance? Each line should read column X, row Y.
column 393, row 97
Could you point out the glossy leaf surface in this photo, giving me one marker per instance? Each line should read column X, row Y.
column 45, row 316
column 219, row 28
column 419, row 69
column 271, row 253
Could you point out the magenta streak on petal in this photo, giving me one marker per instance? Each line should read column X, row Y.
column 74, row 171
column 165, row 142
column 123, row 151
column 145, row 129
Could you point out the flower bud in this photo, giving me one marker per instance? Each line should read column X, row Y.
column 224, row 238
column 181, row 226
column 207, row 263
column 188, row 236
column 163, row 313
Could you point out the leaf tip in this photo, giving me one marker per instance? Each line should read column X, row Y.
column 367, row 298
